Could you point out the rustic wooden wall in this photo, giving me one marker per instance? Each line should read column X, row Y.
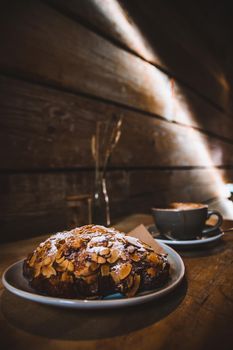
column 66, row 64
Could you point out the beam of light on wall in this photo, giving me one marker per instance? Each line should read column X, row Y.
column 172, row 106
column 125, row 28
column 131, row 35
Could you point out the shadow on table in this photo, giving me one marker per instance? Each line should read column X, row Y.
column 67, row 324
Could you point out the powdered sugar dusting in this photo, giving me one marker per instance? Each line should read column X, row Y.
column 51, row 242
column 96, row 238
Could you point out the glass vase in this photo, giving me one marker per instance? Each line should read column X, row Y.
column 100, row 202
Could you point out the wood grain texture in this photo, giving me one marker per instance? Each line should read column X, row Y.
column 170, row 138
column 197, row 315
column 45, row 128
column 189, row 53
column 162, row 35
column 35, row 203
column 96, row 67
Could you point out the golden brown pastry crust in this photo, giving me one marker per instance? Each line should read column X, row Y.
column 94, row 261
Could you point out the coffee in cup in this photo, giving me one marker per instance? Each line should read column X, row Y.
column 185, row 221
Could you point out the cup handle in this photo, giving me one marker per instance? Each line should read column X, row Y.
column 218, row 223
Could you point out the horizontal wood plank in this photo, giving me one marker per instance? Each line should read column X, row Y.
column 45, row 132
column 36, row 203
column 45, row 128
column 49, row 190
column 52, row 49
column 161, row 35
column 182, row 46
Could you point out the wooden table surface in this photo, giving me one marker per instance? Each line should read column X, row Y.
column 197, row 315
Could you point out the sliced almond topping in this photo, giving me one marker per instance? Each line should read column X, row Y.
column 123, row 256
column 94, row 257
column 66, row 277
column 93, row 266
column 114, row 256
column 135, row 257
column 101, row 260
column 32, row 260
column 131, row 249
column 48, row 271
column 104, row 251
column 76, row 243
column 60, row 260
column 59, row 254
column 63, row 265
column 70, row 266
column 143, row 255
column 148, row 247
column 124, row 270
column 115, row 276
column 47, row 261
column 37, row 270
column 134, row 241
column 48, row 244
column 151, row 271
column 130, row 280
column 136, row 285
column 152, row 257
column 82, row 272
column 105, row 270
column 110, row 244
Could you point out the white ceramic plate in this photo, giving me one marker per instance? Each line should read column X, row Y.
column 14, row 281
column 217, row 235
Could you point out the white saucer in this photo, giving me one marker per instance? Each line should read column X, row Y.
column 14, row 281
column 216, row 235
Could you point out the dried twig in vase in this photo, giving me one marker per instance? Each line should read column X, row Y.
column 113, row 140
column 103, row 144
